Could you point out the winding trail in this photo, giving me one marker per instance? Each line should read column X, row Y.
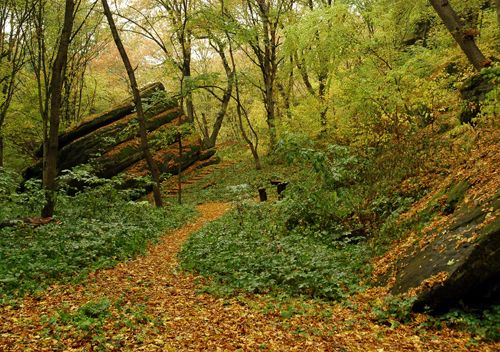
column 155, row 307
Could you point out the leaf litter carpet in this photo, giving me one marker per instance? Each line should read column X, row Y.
column 153, row 306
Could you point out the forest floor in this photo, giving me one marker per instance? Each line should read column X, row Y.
column 148, row 304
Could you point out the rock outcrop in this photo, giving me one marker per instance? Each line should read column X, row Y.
column 449, row 254
column 460, row 266
column 110, row 140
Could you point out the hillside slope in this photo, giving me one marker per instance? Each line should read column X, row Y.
column 451, row 255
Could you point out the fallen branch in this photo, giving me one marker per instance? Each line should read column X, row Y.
column 35, row 222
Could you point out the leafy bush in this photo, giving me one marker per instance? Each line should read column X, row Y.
column 393, row 310
column 13, row 204
column 250, row 249
column 89, row 321
column 334, row 164
column 94, row 229
column 484, row 324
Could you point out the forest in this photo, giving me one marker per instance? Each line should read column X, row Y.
column 249, row 175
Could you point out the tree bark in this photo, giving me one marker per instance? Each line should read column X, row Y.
column 50, row 165
column 1, row 150
column 186, row 71
column 226, row 98
column 457, row 30
column 240, row 112
column 268, row 71
column 138, row 104
column 179, row 172
column 497, row 3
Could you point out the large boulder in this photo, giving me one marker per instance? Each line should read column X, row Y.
column 110, row 140
column 459, row 265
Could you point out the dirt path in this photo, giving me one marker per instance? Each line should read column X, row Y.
column 151, row 306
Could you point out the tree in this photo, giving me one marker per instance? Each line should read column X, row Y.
column 13, row 18
column 188, row 23
column 463, row 36
column 155, row 173
column 176, row 15
column 212, row 29
column 317, row 43
column 251, row 137
column 85, row 47
column 56, row 84
column 264, row 18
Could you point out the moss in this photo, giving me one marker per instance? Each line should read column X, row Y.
column 433, row 208
column 455, row 196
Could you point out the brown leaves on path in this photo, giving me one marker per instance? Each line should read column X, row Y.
column 155, row 307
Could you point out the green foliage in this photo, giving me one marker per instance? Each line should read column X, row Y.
column 250, row 249
column 393, row 310
column 94, row 229
column 483, row 324
column 89, row 321
column 335, row 164
column 14, row 204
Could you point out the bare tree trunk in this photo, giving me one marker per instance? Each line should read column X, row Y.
column 50, row 165
column 155, row 173
column 226, row 98
column 1, row 150
column 186, row 71
column 179, row 171
column 240, row 111
column 322, row 101
column 456, row 28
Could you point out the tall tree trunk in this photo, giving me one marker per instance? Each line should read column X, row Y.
column 457, row 30
column 155, row 173
column 1, row 150
column 322, row 101
column 226, row 98
column 186, row 71
column 184, row 38
column 497, row 3
column 179, row 170
column 268, row 75
column 240, row 111
column 50, row 165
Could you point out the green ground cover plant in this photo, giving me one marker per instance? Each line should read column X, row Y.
column 251, row 250
column 94, row 229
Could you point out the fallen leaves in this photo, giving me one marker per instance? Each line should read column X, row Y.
column 155, row 307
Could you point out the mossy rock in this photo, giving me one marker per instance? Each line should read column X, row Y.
column 467, row 251
column 455, row 195
column 475, row 90
column 111, row 143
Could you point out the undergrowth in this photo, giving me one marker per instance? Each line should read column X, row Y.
column 483, row 324
column 91, row 323
column 251, row 250
column 94, row 229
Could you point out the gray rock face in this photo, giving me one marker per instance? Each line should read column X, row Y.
column 466, row 255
